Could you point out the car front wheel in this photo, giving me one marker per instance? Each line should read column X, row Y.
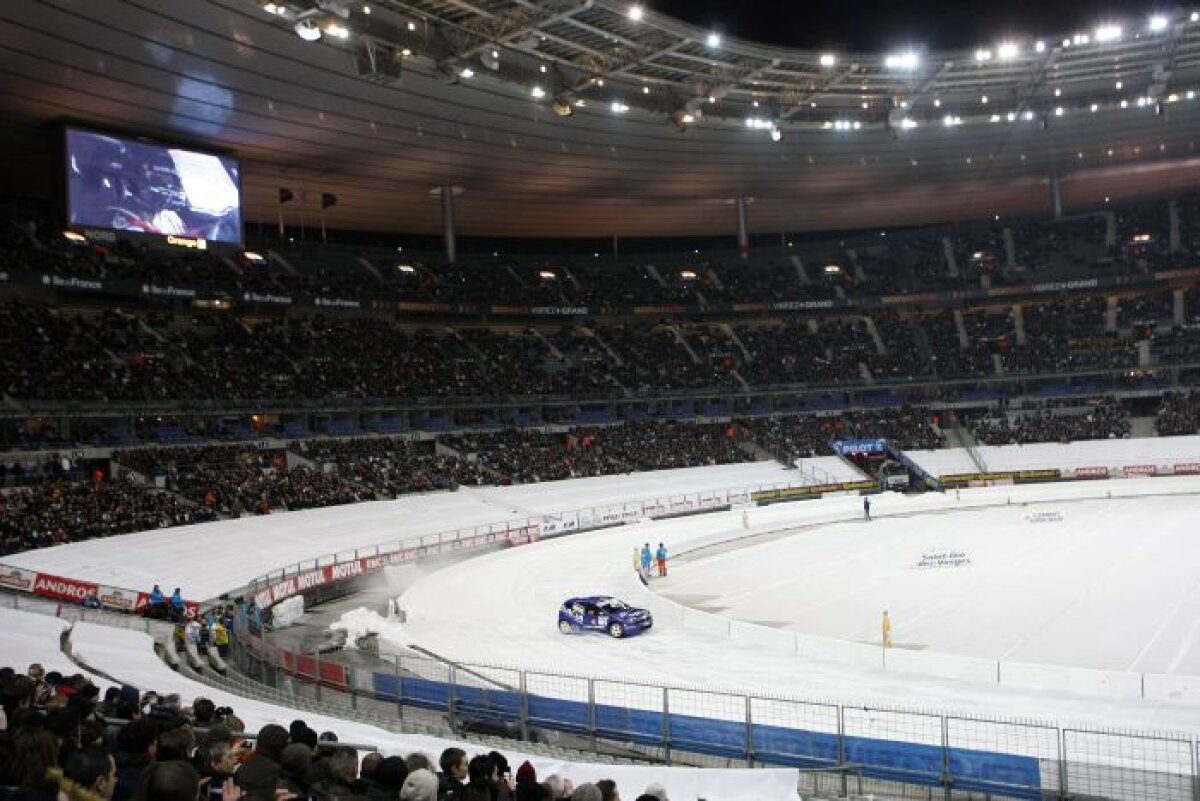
column 564, row 627
column 616, row 630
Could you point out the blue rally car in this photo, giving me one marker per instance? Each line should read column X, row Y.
column 602, row 613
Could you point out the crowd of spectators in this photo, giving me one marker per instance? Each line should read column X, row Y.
column 238, row 479
column 905, row 428
column 1179, row 414
column 1106, row 420
column 54, row 355
column 57, row 512
column 794, row 437
column 532, row 456
column 895, row 263
column 62, row 738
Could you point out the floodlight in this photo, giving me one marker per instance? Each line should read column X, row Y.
column 307, row 30
column 902, row 61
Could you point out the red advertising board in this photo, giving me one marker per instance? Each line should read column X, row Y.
column 63, row 589
column 1141, row 470
column 1186, row 468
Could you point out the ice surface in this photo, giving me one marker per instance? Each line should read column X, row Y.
column 504, row 603
column 1100, row 589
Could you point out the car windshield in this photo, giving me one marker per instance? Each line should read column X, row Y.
column 612, row 603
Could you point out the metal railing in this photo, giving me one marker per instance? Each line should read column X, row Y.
column 862, row 747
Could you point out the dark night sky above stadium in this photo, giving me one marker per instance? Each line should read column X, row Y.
column 876, row 25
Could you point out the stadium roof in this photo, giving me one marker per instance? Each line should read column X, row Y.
column 588, row 117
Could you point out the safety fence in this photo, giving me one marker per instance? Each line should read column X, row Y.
column 1017, row 759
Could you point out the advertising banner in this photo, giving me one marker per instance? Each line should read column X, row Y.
column 849, row 447
column 63, row 589
column 119, row 599
column 14, row 578
column 1091, row 472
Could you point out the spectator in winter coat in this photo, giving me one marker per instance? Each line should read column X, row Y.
column 481, row 779
column 135, row 750
column 339, row 779
column 527, row 778
column 646, row 559
column 261, row 769
column 294, row 765
column 177, row 605
column 661, row 556
column 453, row 763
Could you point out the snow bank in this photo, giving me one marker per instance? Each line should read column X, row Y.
column 361, row 622
column 288, row 611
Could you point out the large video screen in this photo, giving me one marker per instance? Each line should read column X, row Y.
column 142, row 187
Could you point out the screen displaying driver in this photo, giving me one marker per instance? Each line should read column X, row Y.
column 142, row 187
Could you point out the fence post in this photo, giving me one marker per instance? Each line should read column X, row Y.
column 592, row 712
column 1062, row 764
column 317, row 671
column 749, row 734
column 947, row 779
column 1195, row 775
column 841, row 749
column 399, row 689
column 294, row 678
column 352, row 686
column 666, row 726
column 452, row 699
column 524, row 708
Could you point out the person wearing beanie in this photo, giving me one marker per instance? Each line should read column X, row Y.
column 526, row 773
column 420, row 785
column 533, row 792
column 263, row 765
